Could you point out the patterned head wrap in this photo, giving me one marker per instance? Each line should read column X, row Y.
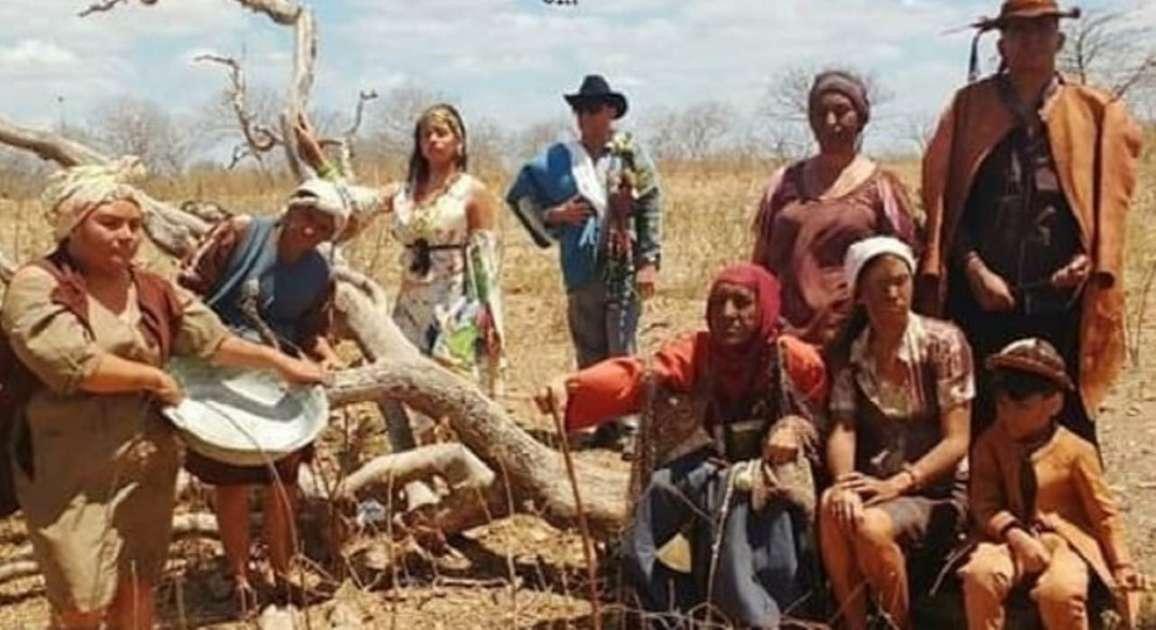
column 843, row 83
column 73, row 193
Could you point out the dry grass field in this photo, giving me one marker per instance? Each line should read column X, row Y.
column 523, row 572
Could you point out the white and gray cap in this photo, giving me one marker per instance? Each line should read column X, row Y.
column 862, row 252
column 344, row 202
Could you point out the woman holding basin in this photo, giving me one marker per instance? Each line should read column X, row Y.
column 95, row 463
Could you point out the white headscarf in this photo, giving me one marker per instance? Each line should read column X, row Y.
column 73, row 193
column 864, row 251
column 343, row 202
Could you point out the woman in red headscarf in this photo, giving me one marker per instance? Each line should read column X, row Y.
column 728, row 419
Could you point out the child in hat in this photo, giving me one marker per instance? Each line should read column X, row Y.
column 1044, row 514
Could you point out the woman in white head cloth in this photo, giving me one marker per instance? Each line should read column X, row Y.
column 900, row 408
column 267, row 280
column 94, row 464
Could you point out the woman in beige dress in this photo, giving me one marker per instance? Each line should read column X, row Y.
column 94, row 462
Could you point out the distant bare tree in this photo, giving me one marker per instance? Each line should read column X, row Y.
column 703, row 127
column 397, row 111
column 787, row 94
column 21, row 175
column 784, row 105
column 488, row 144
column 532, row 139
column 133, row 126
column 917, row 129
column 693, row 133
column 1112, row 50
column 660, row 128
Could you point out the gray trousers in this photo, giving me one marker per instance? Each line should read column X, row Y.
column 600, row 327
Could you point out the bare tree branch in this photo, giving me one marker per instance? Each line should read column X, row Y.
column 283, row 12
column 105, row 5
column 240, row 152
column 301, row 84
column 48, row 146
column 1112, row 50
column 363, row 97
column 258, row 138
column 344, row 144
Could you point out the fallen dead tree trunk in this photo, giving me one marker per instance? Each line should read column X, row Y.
column 535, row 473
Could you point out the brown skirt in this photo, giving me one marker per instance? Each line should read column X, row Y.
column 218, row 473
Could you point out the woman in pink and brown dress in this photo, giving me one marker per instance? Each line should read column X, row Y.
column 814, row 209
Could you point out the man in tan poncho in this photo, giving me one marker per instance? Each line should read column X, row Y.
column 1026, row 185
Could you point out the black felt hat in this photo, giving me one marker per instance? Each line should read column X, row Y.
column 595, row 89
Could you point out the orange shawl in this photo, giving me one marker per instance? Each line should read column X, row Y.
column 1096, row 146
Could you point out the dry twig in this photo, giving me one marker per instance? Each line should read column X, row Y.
column 587, row 542
column 258, row 138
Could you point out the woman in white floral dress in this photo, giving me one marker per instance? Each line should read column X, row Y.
column 449, row 302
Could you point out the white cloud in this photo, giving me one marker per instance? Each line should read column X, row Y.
column 36, row 57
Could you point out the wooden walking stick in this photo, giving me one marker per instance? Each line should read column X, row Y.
column 587, row 542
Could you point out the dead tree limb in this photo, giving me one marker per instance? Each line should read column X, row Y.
column 283, row 12
column 16, row 569
column 106, row 5
column 48, row 146
column 536, row 473
column 461, row 469
column 258, row 139
column 344, row 144
column 301, row 82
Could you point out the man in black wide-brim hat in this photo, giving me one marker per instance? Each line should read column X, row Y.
column 1026, row 184
column 599, row 199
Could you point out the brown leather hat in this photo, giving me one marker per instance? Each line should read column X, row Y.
column 1032, row 355
column 1026, row 10
column 1013, row 10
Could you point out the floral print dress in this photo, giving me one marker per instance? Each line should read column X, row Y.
column 449, row 303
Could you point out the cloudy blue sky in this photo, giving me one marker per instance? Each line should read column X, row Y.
column 503, row 59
